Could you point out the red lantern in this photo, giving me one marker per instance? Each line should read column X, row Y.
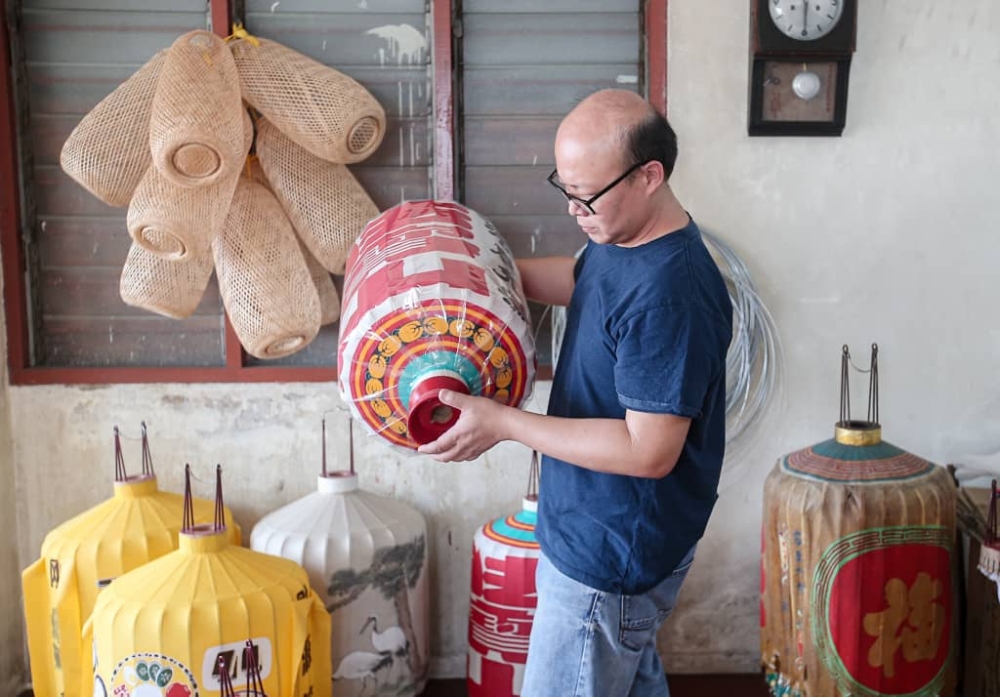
column 432, row 300
column 504, row 558
column 857, row 597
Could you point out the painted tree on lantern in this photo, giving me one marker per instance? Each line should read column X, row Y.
column 393, row 571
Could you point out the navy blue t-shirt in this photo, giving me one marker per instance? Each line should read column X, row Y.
column 647, row 329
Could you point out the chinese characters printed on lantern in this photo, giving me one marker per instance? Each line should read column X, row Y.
column 912, row 623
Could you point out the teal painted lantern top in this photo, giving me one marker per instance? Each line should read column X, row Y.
column 855, row 455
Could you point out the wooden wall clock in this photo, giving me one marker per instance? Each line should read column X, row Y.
column 800, row 60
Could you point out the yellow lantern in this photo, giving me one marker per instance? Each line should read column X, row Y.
column 164, row 629
column 83, row 555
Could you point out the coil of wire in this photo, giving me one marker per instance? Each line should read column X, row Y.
column 754, row 361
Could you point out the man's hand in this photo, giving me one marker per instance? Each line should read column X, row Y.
column 640, row 445
column 481, row 425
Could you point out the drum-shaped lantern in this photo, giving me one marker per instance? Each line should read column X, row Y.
column 857, row 588
column 982, row 638
column 432, row 300
column 502, row 606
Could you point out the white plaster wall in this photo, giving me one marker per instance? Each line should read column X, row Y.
column 887, row 234
column 12, row 664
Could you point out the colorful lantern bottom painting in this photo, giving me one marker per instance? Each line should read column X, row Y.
column 502, row 606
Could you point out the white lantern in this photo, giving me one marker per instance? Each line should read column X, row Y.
column 366, row 556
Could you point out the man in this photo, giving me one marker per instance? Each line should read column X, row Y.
column 635, row 431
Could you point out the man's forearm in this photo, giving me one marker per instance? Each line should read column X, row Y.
column 602, row 445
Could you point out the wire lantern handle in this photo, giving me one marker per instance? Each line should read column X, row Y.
column 350, row 443
column 188, row 523
column 845, row 388
column 350, row 440
column 147, row 457
column 120, row 474
column 991, row 523
column 220, row 509
column 324, row 447
column 533, row 477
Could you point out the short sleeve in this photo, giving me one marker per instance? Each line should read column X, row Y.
column 666, row 358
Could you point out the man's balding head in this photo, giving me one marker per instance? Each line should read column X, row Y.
column 623, row 124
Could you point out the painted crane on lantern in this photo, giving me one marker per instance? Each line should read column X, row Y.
column 362, row 665
column 392, row 640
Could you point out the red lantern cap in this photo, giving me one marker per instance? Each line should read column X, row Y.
column 429, row 416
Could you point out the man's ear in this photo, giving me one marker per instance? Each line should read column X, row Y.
column 654, row 174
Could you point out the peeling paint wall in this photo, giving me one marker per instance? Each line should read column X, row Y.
column 12, row 662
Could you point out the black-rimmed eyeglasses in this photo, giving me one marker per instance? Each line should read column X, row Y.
column 588, row 203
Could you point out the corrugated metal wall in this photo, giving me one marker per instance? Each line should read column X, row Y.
column 385, row 46
column 76, row 52
column 523, row 66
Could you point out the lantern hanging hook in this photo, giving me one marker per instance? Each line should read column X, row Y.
column 533, row 477
column 845, row 390
column 147, row 456
column 120, row 474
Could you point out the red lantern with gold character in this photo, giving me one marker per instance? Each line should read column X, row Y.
column 857, row 592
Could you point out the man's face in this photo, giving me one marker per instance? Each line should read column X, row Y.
column 587, row 169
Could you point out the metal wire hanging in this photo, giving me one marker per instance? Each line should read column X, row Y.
column 754, row 361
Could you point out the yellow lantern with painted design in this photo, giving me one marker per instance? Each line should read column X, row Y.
column 83, row 555
column 170, row 628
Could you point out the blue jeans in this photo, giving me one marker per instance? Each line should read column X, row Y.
column 587, row 643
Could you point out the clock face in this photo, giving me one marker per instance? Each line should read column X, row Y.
column 805, row 20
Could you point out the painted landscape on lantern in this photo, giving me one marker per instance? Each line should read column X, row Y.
column 379, row 643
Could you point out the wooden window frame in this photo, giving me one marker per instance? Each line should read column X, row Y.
column 654, row 31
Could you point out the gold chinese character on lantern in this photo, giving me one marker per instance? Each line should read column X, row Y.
column 913, row 622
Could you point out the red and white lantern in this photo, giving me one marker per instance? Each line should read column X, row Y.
column 432, row 300
column 504, row 558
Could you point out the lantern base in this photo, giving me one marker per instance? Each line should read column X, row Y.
column 429, row 416
column 339, row 482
